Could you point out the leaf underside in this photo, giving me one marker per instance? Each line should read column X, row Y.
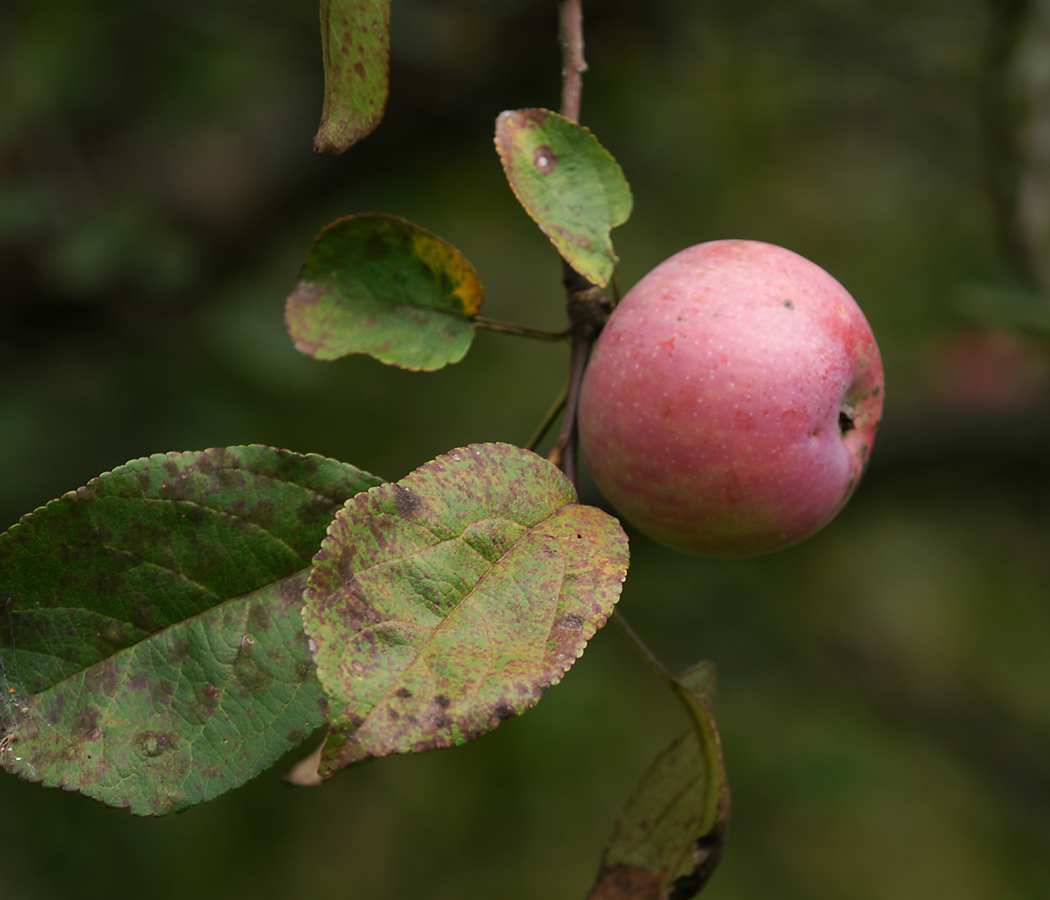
column 443, row 604
column 568, row 183
column 376, row 284
column 355, row 44
column 150, row 625
column 670, row 835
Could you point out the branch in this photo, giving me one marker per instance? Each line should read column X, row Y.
column 588, row 309
column 588, row 312
column 563, row 453
column 573, row 65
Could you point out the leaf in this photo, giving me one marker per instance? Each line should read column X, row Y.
column 670, row 835
column 568, row 183
column 178, row 719
column 443, row 604
column 379, row 285
column 355, row 42
column 150, row 625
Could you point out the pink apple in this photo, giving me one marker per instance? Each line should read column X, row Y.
column 731, row 402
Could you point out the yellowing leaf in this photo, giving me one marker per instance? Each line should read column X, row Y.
column 447, row 602
column 379, row 285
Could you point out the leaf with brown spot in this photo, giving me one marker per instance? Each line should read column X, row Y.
column 444, row 604
column 568, row 183
column 671, row 834
column 355, row 44
column 379, row 285
column 150, row 624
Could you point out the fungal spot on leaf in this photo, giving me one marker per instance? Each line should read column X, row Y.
column 409, row 504
column 260, row 617
column 442, row 701
column 570, row 622
column 209, row 696
column 404, row 693
column 544, row 159
column 154, row 743
column 248, row 673
column 504, row 711
column 625, row 881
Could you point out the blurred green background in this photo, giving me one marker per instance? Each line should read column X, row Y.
column 884, row 688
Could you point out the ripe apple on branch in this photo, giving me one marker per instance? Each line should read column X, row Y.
column 731, row 402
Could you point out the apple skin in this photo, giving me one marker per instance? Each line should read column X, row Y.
column 730, row 404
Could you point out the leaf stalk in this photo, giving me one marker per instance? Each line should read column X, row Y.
column 521, row 330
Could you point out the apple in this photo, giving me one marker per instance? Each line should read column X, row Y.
column 730, row 404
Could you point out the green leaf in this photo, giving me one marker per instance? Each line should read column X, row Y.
column 443, row 604
column 379, row 285
column 355, row 41
column 670, row 835
column 568, row 183
column 150, row 625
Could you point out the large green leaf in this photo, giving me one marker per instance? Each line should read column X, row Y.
column 379, row 285
column 443, row 604
column 355, row 41
column 670, row 835
column 154, row 661
column 568, row 183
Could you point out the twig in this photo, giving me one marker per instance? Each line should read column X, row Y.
column 522, row 330
column 583, row 297
column 573, row 65
column 563, row 453
column 556, row 407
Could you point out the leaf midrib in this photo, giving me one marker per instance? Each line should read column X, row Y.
column 395, row 683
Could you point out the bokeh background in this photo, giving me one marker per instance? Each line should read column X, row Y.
column 884, row 688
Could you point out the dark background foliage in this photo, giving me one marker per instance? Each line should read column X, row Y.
column 884, row 688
